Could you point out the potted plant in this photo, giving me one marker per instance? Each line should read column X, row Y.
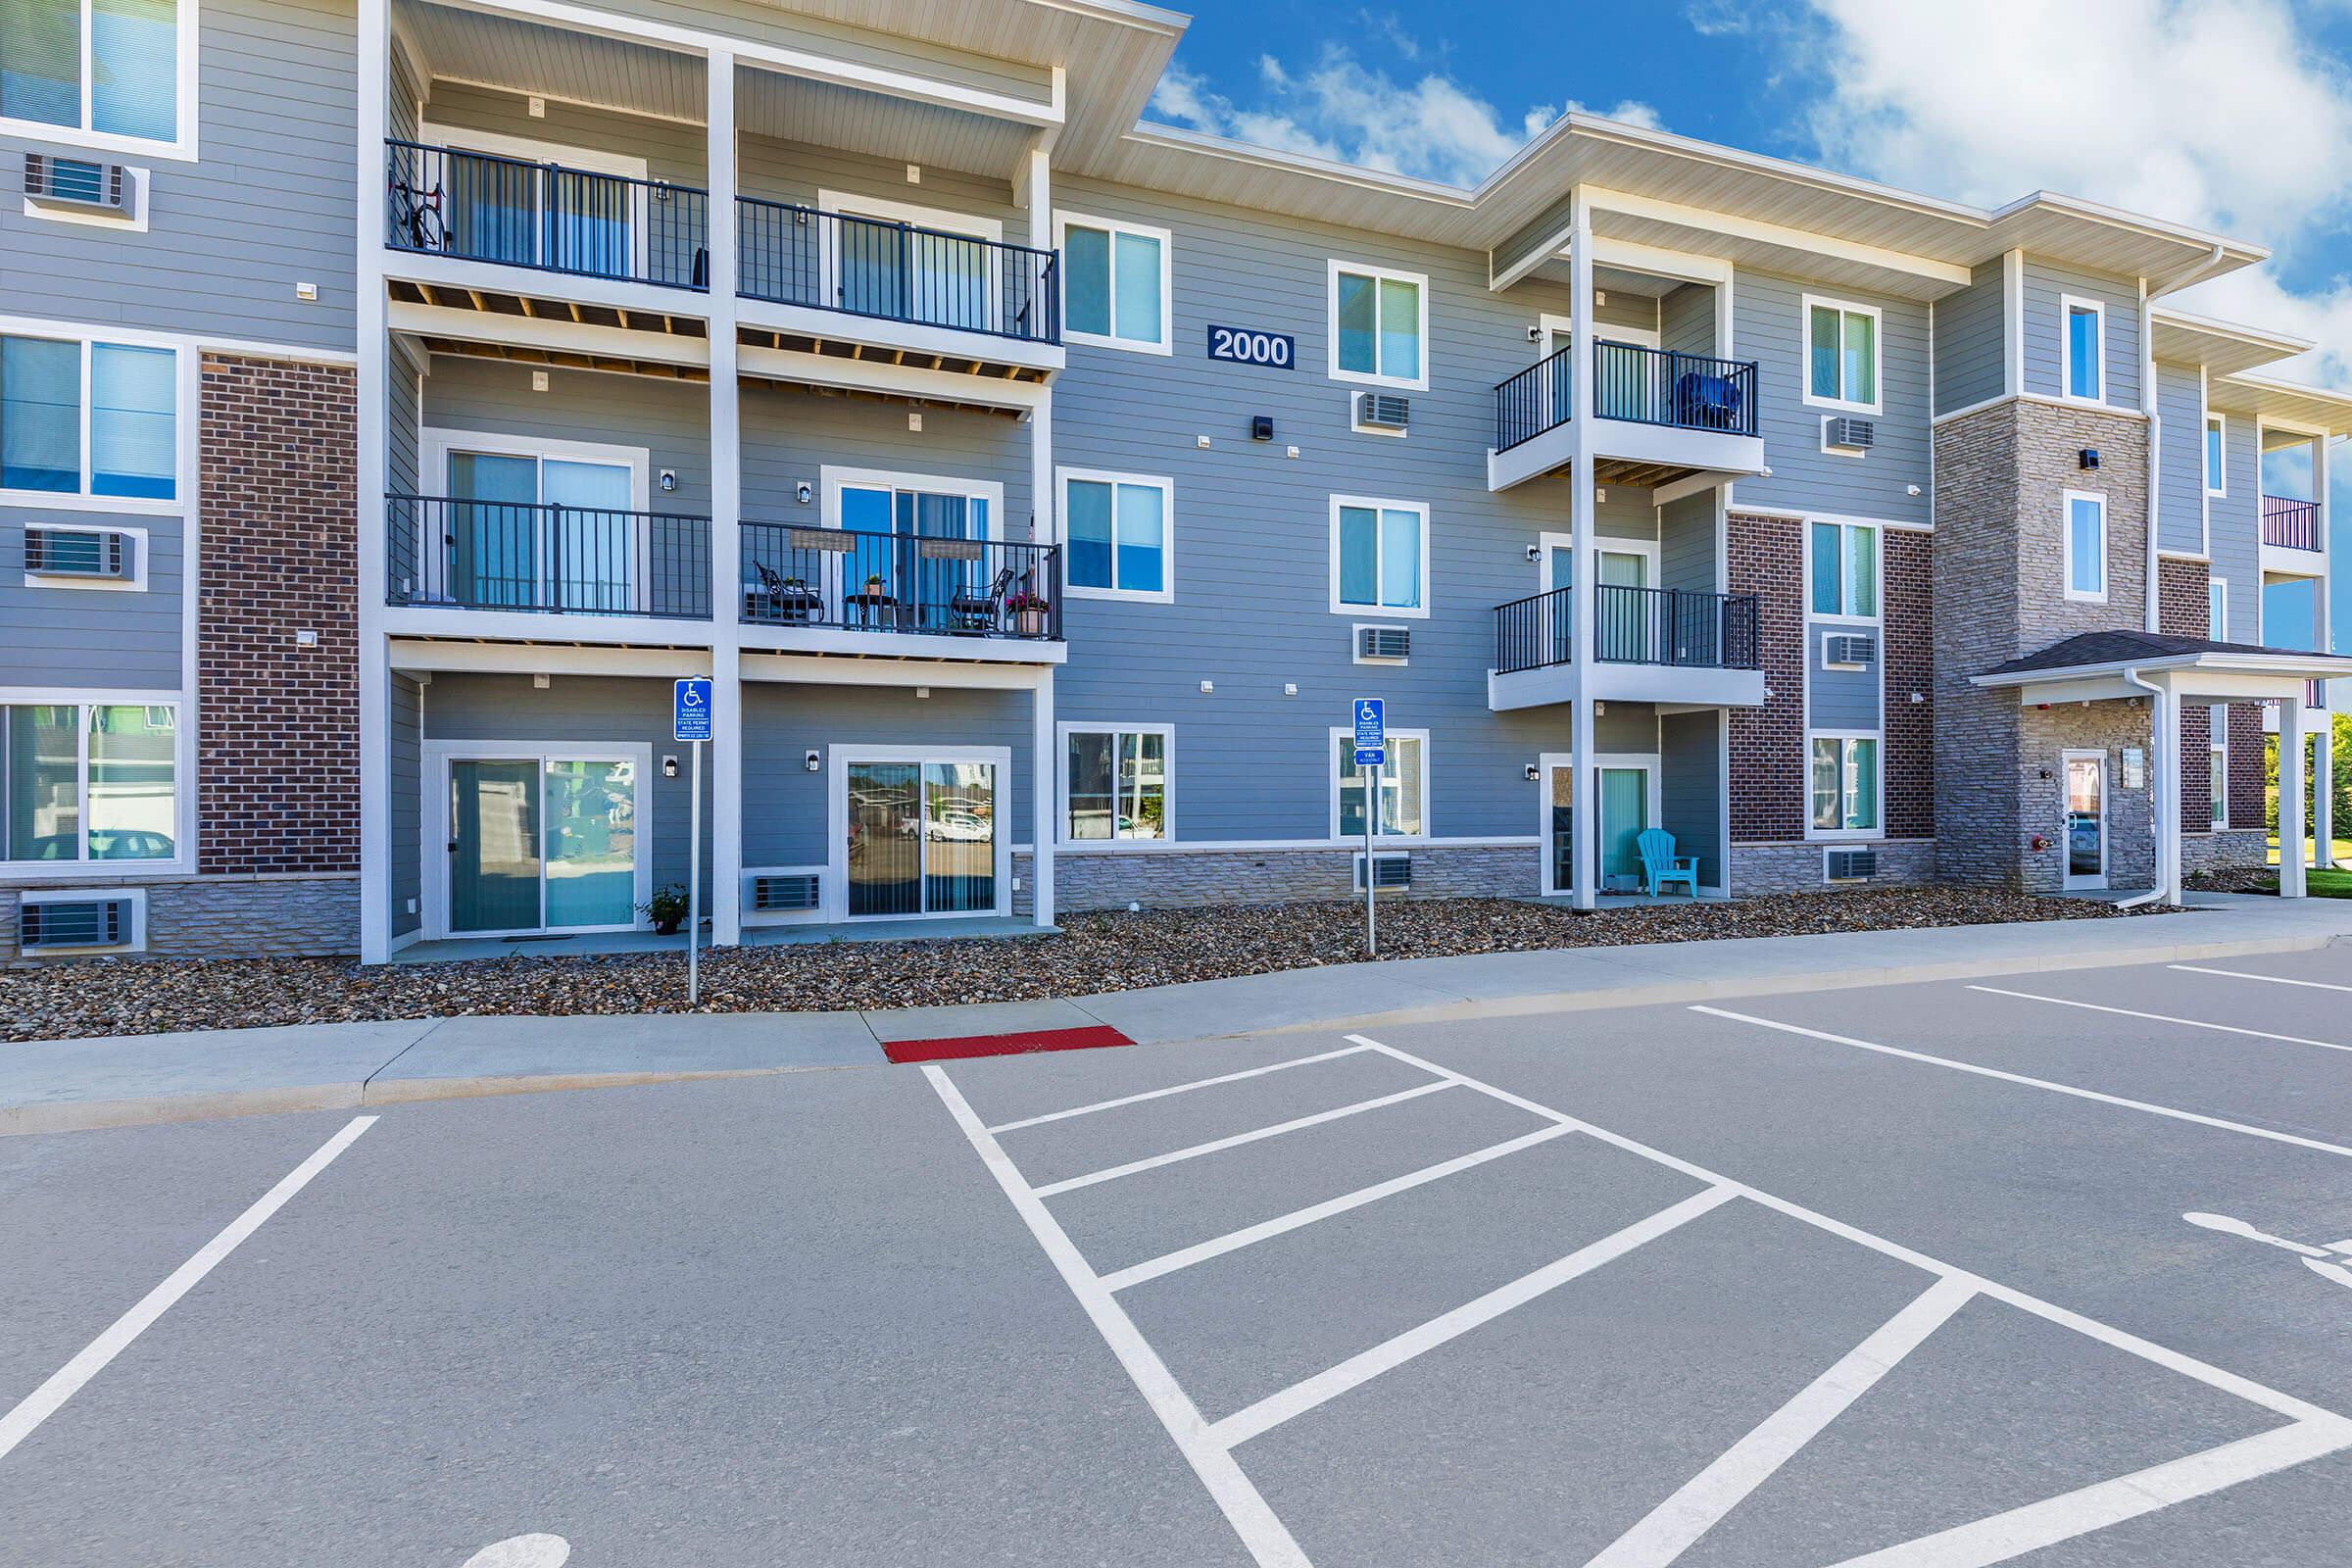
column 666, row 910
column 1028, row 611
column 873, row 586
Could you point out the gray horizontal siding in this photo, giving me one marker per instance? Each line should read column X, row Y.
column 1768, row 323
column 53, row 636
column 2045, row 286
column 1841, row 699
column 796, row 172
column 2236, row 517
column 1970, row 342
column 670, row 418
column 1690, row 789
column 764, row 23
column 406, row 763
column 1687, row 553
column 671, row 151
column 404, row 377
column 1638, row 312
column 2180, row 465
column 1687, row 320
column 788, row 437
column 268, row 205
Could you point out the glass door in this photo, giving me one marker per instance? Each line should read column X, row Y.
column 2085, row 820
column 527, row 532
column 1558, row 774
column 542, row 844
column 889, row 581
column 1622, row 619
column 493, row 535
column 595, row 534
column 1624, row 793
column 1559, row 571
column 494, row 843
column 923, row 837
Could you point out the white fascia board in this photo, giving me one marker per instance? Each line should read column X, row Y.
column 413, row 654
column 808, row 669
column 495, row 278
column 870, row 649
column 523, row 626
column 1660, row 262
column 804, row 368
column 1950, row 274
column 911, row 337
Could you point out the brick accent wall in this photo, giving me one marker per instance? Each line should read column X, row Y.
column 2196, row 768
column 1766, row 558
column 1908, row 594
column 2250, row 796
column 278, row 767
column 2184, row 610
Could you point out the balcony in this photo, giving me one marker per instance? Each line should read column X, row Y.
column 1656, row 645
column 2294, row 538
column 1659, row 414
column 803, row 578
column 545, row 217
column 443, row 553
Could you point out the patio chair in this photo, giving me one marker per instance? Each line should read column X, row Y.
column 978, row 609
column 1661, row 866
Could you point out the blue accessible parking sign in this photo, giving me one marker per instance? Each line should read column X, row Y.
column 1371, row 732
column 692, row 720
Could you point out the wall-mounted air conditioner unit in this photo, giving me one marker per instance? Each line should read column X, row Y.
column 1842, row 432
column 1851, row 865
column 1848, row 651
column 65, row 923
column 785, row 892
column 1383, row 410
column 53, row 550
column 78, row 185
column 1390, row 873
column 1391, row 645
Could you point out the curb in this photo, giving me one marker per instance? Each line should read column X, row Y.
column 67, row 1116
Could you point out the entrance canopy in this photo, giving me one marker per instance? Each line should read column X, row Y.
column 2178, row 671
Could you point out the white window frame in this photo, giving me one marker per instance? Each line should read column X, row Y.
column 1115, row 226
column 1338, row 606
column 1061, row 781
column 1330, row 323
column 944, row 220
column 1876, row 830
column 836, row 891
column 2217, row 752
column 1804, row 356
column 2065, row 525
column 89, row 339
column 832, row 480
column 436, row 760
column 2217, row 597
column 183, row 793
column 1166, row 594
column 1843, row 616
column 180, row 148
column 1332, row 765
column 436, row 443
column 531, row 150
column 2068, row 304
column 2216, row 424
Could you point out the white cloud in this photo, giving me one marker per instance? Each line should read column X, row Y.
column 2211, row 111
column 1338, row 107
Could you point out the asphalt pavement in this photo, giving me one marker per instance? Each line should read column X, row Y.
column 1895, row 1275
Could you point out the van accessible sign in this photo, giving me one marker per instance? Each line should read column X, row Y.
column 1371, row 732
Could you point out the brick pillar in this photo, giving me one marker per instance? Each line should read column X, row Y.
column 1766, row 558
column 1908, row 562
column 2249, row 797
column 277, row 765
column 2183, row 609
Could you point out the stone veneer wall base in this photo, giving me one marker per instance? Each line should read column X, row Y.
column 273, row 915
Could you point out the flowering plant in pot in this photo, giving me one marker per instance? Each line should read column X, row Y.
column 1028, row 611
column 666, row 910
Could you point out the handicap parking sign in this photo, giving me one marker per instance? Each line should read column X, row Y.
column 692, row 717
column 1371, row 732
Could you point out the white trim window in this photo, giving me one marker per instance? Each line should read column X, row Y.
column 1845, row 784
column 1379, row 556
column 2217, row 764
column 2083, row 341
column 89, row 782
column 485, row 541
column 1404, row 787
column 869, row 267
column 1842, row 570
column 102, row 74
column 1118, row 533
column 2085, row 526
column 1116, row 281
column 2216, row 455
column 1842, row 356
column 1117, row 781
column 2216, row 608
column 1377, row 325
column 89, row 418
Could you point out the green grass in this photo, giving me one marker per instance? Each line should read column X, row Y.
column 2327, row 884
column 2343, row 850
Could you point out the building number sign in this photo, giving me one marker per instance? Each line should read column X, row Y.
column 1242, row 346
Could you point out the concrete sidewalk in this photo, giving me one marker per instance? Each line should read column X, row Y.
column 71, row 1085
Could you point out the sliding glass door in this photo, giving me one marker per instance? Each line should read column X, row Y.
column 542, row 843
column 532, row 532
column 921, row 836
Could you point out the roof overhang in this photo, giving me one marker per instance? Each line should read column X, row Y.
column 2286, row 404
column 2208, row 676
column 2225, row 347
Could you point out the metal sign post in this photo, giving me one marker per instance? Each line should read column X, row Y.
column 691, row 723
column 1371, row 755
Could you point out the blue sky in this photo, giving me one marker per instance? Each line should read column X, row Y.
column 2232, row 114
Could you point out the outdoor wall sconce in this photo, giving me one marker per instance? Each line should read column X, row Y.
column 804, row 492
column 1533, row 774
column 1534, row 551
column 810, row 760
column 2089, row 457
column 669, row 768
column 1262, row 427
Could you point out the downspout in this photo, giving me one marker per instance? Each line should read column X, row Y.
column 2167, row 809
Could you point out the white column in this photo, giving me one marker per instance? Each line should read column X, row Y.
column 2164, row 715
column 373, row 403
column 2292, row 825
column 1586, row 801
column 1042, row 800
column 2323, row 784
column 1044, row 504
column 726, row 510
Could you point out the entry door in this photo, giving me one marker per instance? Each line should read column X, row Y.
column 1624, row 795
column 541, row 844
column 890, row 579
column 1623, row 617
column 1557, row 774
column 1559, row 571
column 2085, row 820
column 532, row 533
column 922, row 838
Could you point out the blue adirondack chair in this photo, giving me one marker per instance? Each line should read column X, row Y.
column 1661, row 866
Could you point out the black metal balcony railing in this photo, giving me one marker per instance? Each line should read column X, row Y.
column 1631, row 382
column 791, row 255
column 2293, row 524
column 482, row 208
column 857, row 580
column 545, row 559
column 1636, row 627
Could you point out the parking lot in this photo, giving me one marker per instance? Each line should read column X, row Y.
column 1902, row 1275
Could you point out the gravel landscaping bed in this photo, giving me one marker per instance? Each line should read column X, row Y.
column 1099, row 952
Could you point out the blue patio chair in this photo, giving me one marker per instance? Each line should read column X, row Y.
column 1661, row 866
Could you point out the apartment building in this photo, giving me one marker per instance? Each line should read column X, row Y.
column 394, row 404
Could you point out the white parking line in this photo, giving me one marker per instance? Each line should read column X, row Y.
column 1299, row 1397
column 1267, row 1538
column 2244, row 974
column 1700, row 1504
column 1251, row 1236
column 1216, row 1146
column 2161, row 1017
column 2053, row 1087
column 67, row 1381
column 1176, row 1088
